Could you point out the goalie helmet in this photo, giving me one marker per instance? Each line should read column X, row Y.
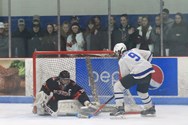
column 64, row 74
column 119, row 48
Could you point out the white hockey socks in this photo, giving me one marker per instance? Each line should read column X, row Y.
column 146, row 100
column 119, row 93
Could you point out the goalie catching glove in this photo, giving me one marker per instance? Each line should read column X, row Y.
column 89, row 107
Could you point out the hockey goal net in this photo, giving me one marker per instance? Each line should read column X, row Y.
column 95, row 71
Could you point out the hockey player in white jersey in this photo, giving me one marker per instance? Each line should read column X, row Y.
column 135, row 69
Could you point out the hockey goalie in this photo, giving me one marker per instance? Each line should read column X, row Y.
column 60, row 96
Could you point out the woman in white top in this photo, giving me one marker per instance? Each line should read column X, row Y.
column 75, row 41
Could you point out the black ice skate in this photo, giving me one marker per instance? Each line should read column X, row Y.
column 149, row 112
column 118, row 111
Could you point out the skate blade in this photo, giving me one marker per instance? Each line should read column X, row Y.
column 132, row 113
column 86, row 116
column 118, row 117
column 149, row 115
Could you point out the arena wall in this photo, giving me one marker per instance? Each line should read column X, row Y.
column 89, row 7
column 169, row 86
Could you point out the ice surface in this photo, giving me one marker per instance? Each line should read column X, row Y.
column 21, row 114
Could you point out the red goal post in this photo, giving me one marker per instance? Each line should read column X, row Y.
column 56, row 57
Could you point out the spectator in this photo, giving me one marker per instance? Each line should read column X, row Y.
column 167, row 24
column 36, row 36
column 177, row 37
column 122, row 34
column 156, row 36
column 99, row 38
column 76, row 19
column 49, row 42
column 55, row 28
column 19, row 40
column 6, row 30
column 139, row 21
column 36, row 17
column 75, row 41
column 65, row 28
column 88, row 32
column 113, row 25
column 145, row 42
column 3, row 42
column 167, row 21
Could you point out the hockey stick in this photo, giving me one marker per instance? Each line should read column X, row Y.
column 102, row 106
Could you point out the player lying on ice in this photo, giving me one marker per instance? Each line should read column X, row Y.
column 135, row 69
column 60, row 88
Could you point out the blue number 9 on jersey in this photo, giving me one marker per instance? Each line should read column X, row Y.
column 134, row 56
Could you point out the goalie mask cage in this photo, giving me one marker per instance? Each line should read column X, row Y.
column 95, row 71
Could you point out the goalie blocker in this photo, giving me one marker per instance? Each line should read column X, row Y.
column 60, row 88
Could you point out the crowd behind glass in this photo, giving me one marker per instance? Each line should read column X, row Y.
column 144, row 35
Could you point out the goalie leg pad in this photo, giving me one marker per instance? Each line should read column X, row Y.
column 69, row 107
column 41, row 99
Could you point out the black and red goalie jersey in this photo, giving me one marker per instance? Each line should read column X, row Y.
column 63, row 88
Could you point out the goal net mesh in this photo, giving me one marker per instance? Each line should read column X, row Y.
column 95, row 71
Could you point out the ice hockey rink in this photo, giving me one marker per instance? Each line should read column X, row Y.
column 18, row 113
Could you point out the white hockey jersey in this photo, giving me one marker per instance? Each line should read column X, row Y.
column 136, row 62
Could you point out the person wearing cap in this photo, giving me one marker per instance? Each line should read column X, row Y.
column 75, row 41
column 3, row 41
column 36, row 17
column 63, row 88
column 19, row 39
column 36, row 36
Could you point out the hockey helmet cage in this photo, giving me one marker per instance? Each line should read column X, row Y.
column 119, row 48
column 64, row 74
